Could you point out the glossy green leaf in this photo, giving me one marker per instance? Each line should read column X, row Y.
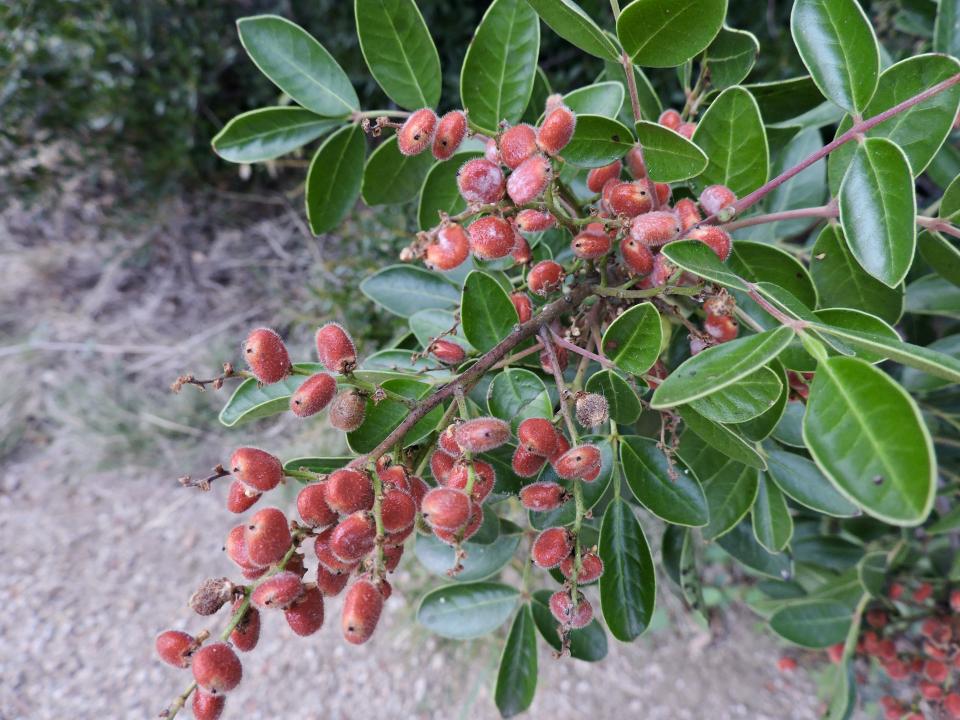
column 877, row 210
column 427, row 325
column 666, row 33
column 440, row 193
column 498, row 71
column 761, row 262
column 719, row 366
column 628, row 588
column 746, row 399
column 589, row 643
column 297, row 64
column 268, row 133
column 334, row 177
column 837, row 44
column 487, row 313
column 916, row 380
column 632, row 341
column 841, row 282
column 481, row 561
column 517, row 394
column 789, row 430
column 569, row 21
column 252, row 401
column 732, row 135
column 859, row 321
column 741, row 543
column 949, row 522
column 467, row 610
column 723, row 438
column 517, row 676
column 405, row 289
column 800, row 478
column 772, row 523
column 399, row 51
column 872, row 571
column 941, row 255
column 668, row 155
column 669, row 491
column 382, row 417
column 320, row 465
column 946, row 29
column 695, row 257
column 827, row 551
column 867, row 435
column 763, row 425
column 597, row 141
column 681, row 562
column 623, row 401
column 781, row 101
column 390, row 177
column 601, row 98
column 932, row 295
column 731, row 56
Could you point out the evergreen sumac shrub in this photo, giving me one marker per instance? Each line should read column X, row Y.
column 736, row 319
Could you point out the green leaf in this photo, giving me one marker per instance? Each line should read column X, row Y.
column 623, row 401
column 730, row 486
column 669, row 156
column 602, row 98
column 334, row 177
column 837, row 44
column 746, row 399
column 877, row 210
column 589, row 643
column 719, row 366
column 481, row 561
column 297, row 64
column 721, row 437
column 267, row 133
column 252, row 401
column 868, row 437
column 941, row 255
column 517, row 676
column 789, row 430
column 932, row 295
column 320, row 465
column 597, row 141
column 487, row 313
column 761, row 426
column 759, row 261
column 732, row 135
column 384, row 416
column 782, row 101
column 731, row 56
column 666, row 33
column 390, row 177
column 859, row 321
column 632, row 341
column 948, row 522
column 467, row 610
column 628, row 587
column 517, row 394
column 669, row 491
column 498, row 71
column 772, row 523
column 813, row 623
column 427, row 325
column 915, row 380
column 872, row 572
column 399, row 51
column 405, row 289
column 841, row 282
column 695, row 257
column 440, row 193
column 800, row 478
column 680, row 560
column 569, row 21
column 742, row 545
column 946, row 29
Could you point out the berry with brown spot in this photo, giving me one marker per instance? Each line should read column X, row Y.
column 578, row 462
column 331, row 583
column 257, row 469
column 721, row 328
column 589, row 245
column 526, row 464
column 313, row 395
column 637, row 257
column 529, row 180
column 212, row 594
column 491, row 237
column 395, row 477
column 313, row 508
column 538, row 436
column 348, row 410
column 628, row 199
column 361, row 611
column 305, row 616
column 570, row 615
column 480, row 181
column 335, row 348
column 591, row 568
column 545, row 277
column 556, row 130
column 267, row 536
column 654, row 229
column 216, row 668
column 482, row 434
column 687, row 212
column 517, row 144
column 440, row 465
column 240, row 498
column 447, row 352
column 175, row 647
column 348, row 491
column 266, row 356
column 484, row 478
column 206, row 706
column 446, row 508
column 531, row 220
column 354, row 537
column 592, row 409
column 543, row 496
column 551, row 547
column 391, row 557
column 715, row 198
column 416, row 133
column 670, row 118
column 246, row 634
column 715, row 238
column 450, row 249
column 598, row 177
column 277, row 591
column 398, row 510
column 451, row 130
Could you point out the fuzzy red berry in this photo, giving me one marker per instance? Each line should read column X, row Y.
column 451, row 130
column 923, row 592
column 448, row 441
column 663, row 192
column 450, row 249
column 570, row 615
column 716, row 238
column 216, row 668
column 361, row 611
column 670, row 118
column 267, row 537
column 538, row 436
column 331, row 583
column 521, row 253
column 524, row 306
column 662, row 270
column 440, row 465
column 305, row 615
column 480, row 181
column 447, row 352
column 416, row 133
column 635, row 164
column 517, row 144
column 354, row 537
column 654, row 229
column 206, row 706
column 531, row 220
column 951, row 703
column 529, row 180
column 246, row 634
column 395, row 477
column 591, row 568
column 236, row 547
column 556, row 129
column 835, row 652
column 313, row 395
column 398, row 510
column 551, row 547
column 543, row 496
column 715, row 198
column 175, row 647
column 455, row 537
column 687, row 213
column 321, row 546
column 349, row 490
column 591, row 245
column 629, row 199
column 391, row 557
column 258, row 470
column 598, row 177
column 936, row 671
column 482, row 434
column 578, row 462
column 491, row 237
column 929, row 690
column 446, row 508
column 348, row 410
column 562, row 446
column 637, row 257
column 335, row 348
column 490, row 151
column 687, row 129
column 484, row 478
column 240, row 498
column 545, row 277
column 277, row 591
column 786, row 664
column 526, row 464
column 418, row 488
column 721, row 328
column 313, row 508
column 266, row 356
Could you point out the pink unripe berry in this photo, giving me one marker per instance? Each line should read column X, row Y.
column 545, row 277
column 240, row 498
column 206, row 706
column 216, row 668
column 529, row 180
column 277, row 591
column 349, row 490
column 637, row 257
column 551, row 547
column 331, row 583
column 398, row 510
column 526, row 464
column 267, row 537
column 589, row 245
column 348, row 410
column 246, row 634
column 313, row 395
column 335, row 348
column 523, row 304
column 446, row 508
column 361, row 611
column 454, row 537
column 484, row 478
column 598, row 177
column 687, row 213
column 258, row 470
column 447, row 352
column 687, row 129
column 447, row 441
column 568, row 615
column 951, row 703
column 670, row 118
column 556, row 130
column 451, row 130
column 715, row 198
column 440, row 465
column 517, row 144
column 175, row 647
column 628, row 198
column 305, row 616
column 480, row 181
column 491, row 237
column 266, row 356
column 416, row 133
column 354, row 537
column 313, row 508
column 321, row 546
column 716, row 238
column 578, row 462
column 591, row 568
column 538, row 436
column 450, row 249
column 662, row 271
column 654, row 229
column 490, row 151
column 482, row 434
column 543, row 496
column 521, row 253
column 531, row 220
